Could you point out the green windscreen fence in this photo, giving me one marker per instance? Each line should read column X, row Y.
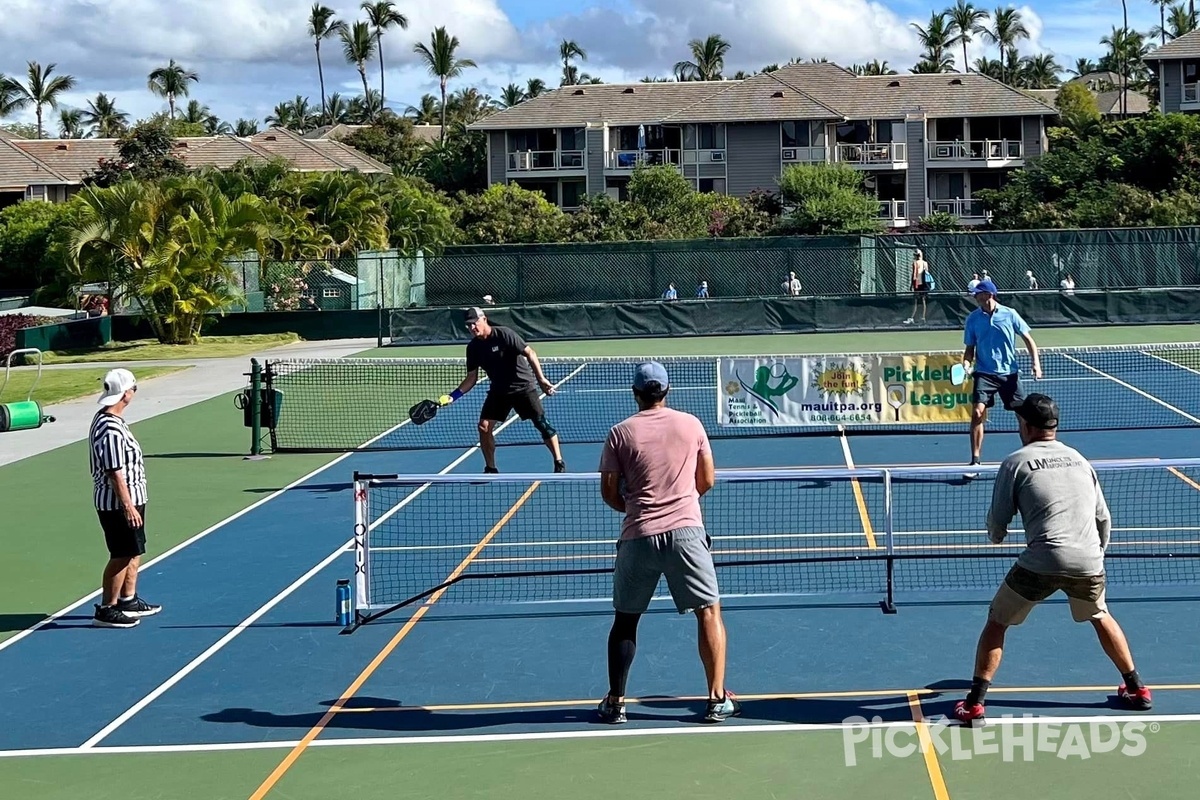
column 826, row 266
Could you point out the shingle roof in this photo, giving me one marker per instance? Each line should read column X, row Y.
column 1135, row 102
column 613, row 103
column 19, row 169
column 763, row 97
column 809, row 91
column 72, row 158
column 1186, row 46
column 315, row 155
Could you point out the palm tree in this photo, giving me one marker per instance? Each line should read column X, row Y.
column 171, row 82
column 1007, row 29
column 443, row 64
column 245, row 128
column 875, row 67
column 1040, row 72
column 708, row 59
column 12, row 96
column 965, row 21
column 512, row 95
column 196, row 113
column 70, row 123
column 336, row 111
column 1084, row 66
column 358, row 45
column 104, row 118
column 1179, row 22
column 382, row 14
column 937, row 38
column 534, row 87
column 322, row 25
column 428, row 112
column 43, row 90
column 567, row 50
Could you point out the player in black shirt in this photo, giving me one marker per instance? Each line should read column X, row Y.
column 514, row 372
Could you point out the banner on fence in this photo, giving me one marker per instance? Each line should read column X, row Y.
column 797, row 391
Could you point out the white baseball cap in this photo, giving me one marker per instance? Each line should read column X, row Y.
column 116, row 383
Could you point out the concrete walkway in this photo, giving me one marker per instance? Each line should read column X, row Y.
column 206, row 378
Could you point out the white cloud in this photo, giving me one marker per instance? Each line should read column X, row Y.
column 252, row 54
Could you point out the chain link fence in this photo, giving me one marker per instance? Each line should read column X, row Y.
column 366, row 280
column 858, row 265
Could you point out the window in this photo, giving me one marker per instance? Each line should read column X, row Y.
column 705, row 136
column 572, row 193
column 796, row 134
column 1191, row 71
column 331, row 293
column 535, row 140
column 573, row 138
column 713, row 185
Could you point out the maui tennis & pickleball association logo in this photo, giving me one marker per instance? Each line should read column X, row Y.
column 1008, row 737
column 770, row 383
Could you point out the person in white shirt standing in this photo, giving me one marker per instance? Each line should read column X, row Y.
column 119, row 494
column 791, row 285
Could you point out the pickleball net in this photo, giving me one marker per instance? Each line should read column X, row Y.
column 340, row 405
column 875, row 533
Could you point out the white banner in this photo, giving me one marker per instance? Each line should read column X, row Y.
column 840, row 390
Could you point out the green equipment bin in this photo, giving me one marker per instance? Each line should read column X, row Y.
column 23, row 415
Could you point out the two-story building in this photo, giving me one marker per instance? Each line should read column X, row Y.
column 1176, row 67
column 924, row 143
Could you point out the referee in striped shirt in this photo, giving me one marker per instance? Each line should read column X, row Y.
column 119, row 491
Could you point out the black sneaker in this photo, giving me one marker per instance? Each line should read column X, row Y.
column 137, row 607
column 560, row 466
column 972, row 475
column 610, row 712
column 490, row 471
column 111, row 617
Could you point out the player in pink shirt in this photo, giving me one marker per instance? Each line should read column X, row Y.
column 655, row 466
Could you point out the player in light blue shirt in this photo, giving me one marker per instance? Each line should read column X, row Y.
column 990, row 336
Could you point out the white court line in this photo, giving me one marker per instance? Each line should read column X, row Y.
column 146, row 565
column 1133, row 388
column 158, row 691
column 1169, row 361
column 697, row 729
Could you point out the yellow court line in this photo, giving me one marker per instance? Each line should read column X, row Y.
column 863, row 515
column 1184, row 478
column 932, row 766
column 369, row 670
column 785, row 696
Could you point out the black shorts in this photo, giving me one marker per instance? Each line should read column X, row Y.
column 122, row 540
column 988, row 386
column 527, row 403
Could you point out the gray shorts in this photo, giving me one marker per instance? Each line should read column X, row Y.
column 682, row 555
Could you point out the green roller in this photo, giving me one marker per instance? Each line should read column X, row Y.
column 26, row 414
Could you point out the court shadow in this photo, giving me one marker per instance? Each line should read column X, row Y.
column 390, row 716
column 11, row 623
column 195, row 455
column 314, row 488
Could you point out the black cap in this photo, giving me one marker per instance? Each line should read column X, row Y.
column 1039, row 410
column 475, row 314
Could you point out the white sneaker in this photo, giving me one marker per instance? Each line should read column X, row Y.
column 908, row 321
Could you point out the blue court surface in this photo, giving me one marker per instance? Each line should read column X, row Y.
column 247, row 653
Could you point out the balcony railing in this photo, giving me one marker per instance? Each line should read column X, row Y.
column 628, row 159
column 963, row 208
column 977, row 150
column 804, row 155
column 893, row 209
column 872, row 155
column 1191, row 93
column 545, row 160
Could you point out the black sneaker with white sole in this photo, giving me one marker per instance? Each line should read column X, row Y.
column 137, row 607
column 112, row 617
column 970, row 475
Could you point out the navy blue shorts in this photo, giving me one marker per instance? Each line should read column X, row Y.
column 988, row 386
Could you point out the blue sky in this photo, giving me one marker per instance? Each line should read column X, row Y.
column 252, row 54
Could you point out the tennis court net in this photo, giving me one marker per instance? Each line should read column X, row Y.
column 880, row 533
column 362, row 404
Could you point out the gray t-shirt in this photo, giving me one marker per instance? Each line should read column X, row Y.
column 1066, row 520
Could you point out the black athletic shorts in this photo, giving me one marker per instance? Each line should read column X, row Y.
column 122, row 540
column 988, row 386
column 527, row 403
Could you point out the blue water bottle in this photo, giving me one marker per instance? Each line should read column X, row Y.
column 343, row 602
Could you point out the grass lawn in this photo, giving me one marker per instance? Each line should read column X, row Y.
column 151, row 350
column 57, row 386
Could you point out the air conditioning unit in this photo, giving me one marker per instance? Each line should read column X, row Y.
column 717, row 155
column 943, row 151
column 523, row 160
column 789, row 154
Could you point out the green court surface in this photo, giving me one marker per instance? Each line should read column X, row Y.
column 199, row 478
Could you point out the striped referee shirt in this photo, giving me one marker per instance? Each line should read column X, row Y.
column 113, row 446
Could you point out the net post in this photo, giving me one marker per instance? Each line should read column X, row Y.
column 888, row 604
column 255, row 400
column 362, row 517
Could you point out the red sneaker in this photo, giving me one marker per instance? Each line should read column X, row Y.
column 1138, row 701
column 966, row 714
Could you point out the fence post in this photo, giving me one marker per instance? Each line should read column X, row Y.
column 255, row 407
column 379, row 306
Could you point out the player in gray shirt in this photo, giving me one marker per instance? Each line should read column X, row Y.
column 1067, row 528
